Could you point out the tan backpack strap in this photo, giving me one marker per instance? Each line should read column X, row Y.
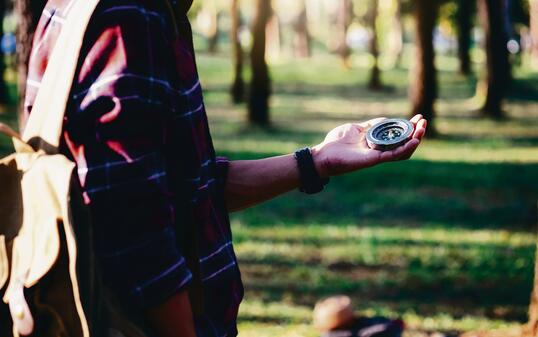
column 44, row 126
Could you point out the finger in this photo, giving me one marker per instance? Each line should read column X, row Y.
column 371, row 122
column 411, row 150
column 416, row 118
column 402, row 152
column 420, row 129
column 393, row 154
column 359, row 127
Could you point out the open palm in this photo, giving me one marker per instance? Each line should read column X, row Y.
column 345, row 148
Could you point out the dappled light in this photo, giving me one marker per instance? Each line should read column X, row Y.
column 445, row 241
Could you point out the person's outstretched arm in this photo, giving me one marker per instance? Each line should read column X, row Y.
column 344, row 150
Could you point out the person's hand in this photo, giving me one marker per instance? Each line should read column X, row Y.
column 345, row 148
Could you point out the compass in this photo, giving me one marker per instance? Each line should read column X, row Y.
column 389, row 134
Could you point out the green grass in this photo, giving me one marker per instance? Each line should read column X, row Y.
column 446, row 240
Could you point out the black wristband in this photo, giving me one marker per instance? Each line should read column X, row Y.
column 311, row 182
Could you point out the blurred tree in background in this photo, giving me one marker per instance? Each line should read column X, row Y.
column 375, row 75
column 28, row 12
column 238, row 87
column 260, row 84
column 423, row 90
column 342, row 20
column 465, row 14
column 302, row 40
column 340, row 25
column 534, row 30
column 493, row 15
column 396, row 35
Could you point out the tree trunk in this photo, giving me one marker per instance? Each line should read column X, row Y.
column 397, row 34
column 273, row 40
column 213, row 29
column 424, row 75
column 3, row 86
column 302, row 36
column 28, row 12
column 260, row 86
column 533, row 11
column 498, row 65
column 343, row 21
column 375, row 75
column 237, row 90
column 464, row 17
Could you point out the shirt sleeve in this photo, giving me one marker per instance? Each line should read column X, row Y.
column 223, row 165
column 115, row 129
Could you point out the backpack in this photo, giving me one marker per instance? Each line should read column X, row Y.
column 49, row 279
column 49, row 284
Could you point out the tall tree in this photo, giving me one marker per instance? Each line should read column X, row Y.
column 237, row 90
column 396, row 38
column 534, row 30
column 302, row 39
column 213, row 36
column 464, row 18
column 273, row 38
column 260, row 85
column 211, row 15
column 375, row 74
column 492, row 18
column 3, row 86
column 28, row 12
column 344, row 16
column 423, row 75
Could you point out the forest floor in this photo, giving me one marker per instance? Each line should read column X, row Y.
column 445, row 241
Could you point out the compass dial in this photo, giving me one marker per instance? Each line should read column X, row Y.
column 389, row 134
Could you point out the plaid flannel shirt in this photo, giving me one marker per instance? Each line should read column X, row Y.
column 137, row 129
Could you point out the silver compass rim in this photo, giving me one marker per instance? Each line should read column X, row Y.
column 404, row 124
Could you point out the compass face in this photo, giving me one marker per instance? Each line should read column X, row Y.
column 389, row 134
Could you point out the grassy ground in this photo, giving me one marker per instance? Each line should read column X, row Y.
column 446, row 241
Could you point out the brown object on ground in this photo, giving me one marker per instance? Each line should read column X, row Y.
column 332, row 313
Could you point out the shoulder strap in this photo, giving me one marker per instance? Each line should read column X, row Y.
column 44, row 126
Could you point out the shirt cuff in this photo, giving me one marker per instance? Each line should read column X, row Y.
column 223, row 165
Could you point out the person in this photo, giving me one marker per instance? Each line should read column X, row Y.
column 136, row 127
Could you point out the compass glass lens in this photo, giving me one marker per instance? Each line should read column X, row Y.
column 389, row 134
